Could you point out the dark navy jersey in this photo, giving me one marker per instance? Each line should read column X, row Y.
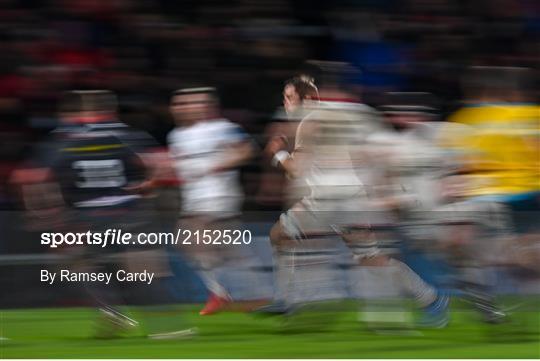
column 93, row 165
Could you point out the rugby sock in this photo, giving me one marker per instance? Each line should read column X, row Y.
column 209, row 279
column 283, row 271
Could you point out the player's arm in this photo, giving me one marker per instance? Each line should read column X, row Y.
column 35, row 181
column 292, row 163
column 37, row 188
column 157, row 169
column 40, row 196
column 237, row 148
column 237, row 155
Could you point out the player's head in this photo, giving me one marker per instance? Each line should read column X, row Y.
column 404, row 109
column 296, row 91
column 191, row 105
column 87, row 106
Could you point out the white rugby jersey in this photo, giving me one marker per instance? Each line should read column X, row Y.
column 416, row 163
column 332, row 137
column 198, row 149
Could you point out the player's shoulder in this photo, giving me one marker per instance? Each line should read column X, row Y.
column 225, row 128
column 343, row 109
column 175, row 134
column 222, row 124
column 134, row 138
column 346, row 106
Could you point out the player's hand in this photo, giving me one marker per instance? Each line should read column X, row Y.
column 275, row 144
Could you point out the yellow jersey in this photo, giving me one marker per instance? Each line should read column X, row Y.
column 498, row 144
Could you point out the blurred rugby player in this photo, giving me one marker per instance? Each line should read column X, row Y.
column 330, row 154
column 206, row 151
column 494, row 139
column 275, row 188
column 80, row 180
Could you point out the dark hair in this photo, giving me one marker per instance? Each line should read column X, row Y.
column 304, row 86
column 210, row 91
column 88, row 100
column 198, row 90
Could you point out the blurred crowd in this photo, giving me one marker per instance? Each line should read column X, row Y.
column 144, row 50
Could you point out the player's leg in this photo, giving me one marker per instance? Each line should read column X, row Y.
column 363, row 228
column 389, row 272
column 282, row 248
column 240, row 266
column 470, row 241
column 205, row 258
column 107, row 298
column 160, row 317
column 302, row 252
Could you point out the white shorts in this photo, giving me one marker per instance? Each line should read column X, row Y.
column 491, row 222
column 311, row 218
column 213, row 208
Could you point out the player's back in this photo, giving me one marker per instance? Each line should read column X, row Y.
column 500, row 144
column 417, row 163
column 92, row 165
column 334, row 136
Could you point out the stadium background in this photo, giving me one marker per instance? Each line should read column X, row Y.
column 144, row 50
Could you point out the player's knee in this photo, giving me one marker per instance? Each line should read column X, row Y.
column 276, row 234
column 365, row 250
column 278, row 237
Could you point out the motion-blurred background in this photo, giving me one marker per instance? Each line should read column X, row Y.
column 143, row 50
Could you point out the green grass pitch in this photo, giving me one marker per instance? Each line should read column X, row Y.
column 67, row 333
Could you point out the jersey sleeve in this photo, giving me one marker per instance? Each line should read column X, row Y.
column 232, row 133
column 47, row 153
column 171, row 138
